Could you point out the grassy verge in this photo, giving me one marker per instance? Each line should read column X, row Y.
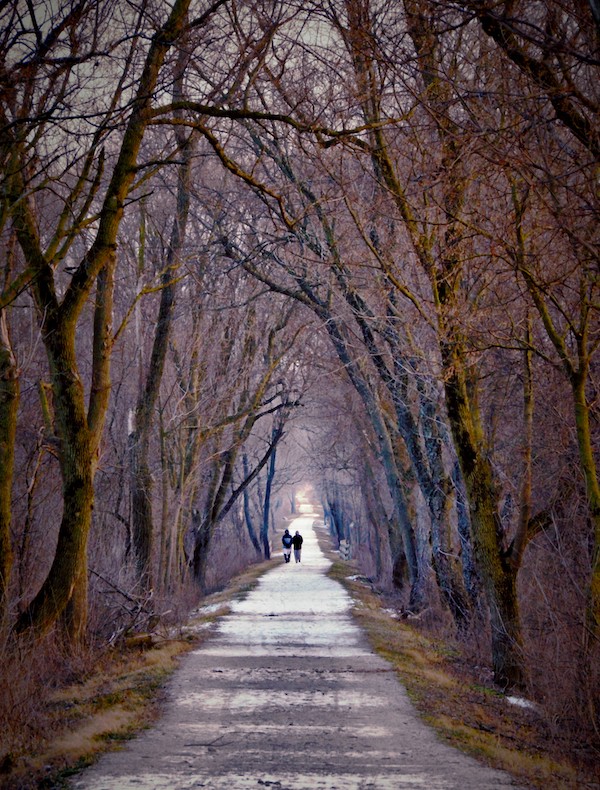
column 452, row 699
column 120, row 695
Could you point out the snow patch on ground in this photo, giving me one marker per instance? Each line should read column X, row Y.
column 358, row 578
column 520, row 702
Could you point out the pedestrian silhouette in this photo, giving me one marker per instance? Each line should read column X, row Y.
column 297, row 544
column 287, row 541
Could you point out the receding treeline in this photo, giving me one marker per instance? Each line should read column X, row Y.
column 345, row 242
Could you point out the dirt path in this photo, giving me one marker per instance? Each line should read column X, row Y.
column 289, row 695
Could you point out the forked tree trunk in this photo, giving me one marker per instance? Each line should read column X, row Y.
column 77, row 461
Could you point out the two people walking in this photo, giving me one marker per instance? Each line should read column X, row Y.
column 291, row 541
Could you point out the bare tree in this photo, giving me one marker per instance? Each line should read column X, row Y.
column 45, row 81
column 555, row 48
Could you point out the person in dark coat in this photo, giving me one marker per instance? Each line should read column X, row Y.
column 297, row 544
column 287, row 545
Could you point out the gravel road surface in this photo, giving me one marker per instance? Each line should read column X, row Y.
column 289, row 695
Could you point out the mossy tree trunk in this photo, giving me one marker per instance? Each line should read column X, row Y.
column 498, row 571
column 77, row 464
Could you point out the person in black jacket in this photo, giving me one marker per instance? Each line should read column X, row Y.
column 297, row 544
column 287, row 545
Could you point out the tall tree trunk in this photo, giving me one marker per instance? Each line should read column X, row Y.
column 498, row 569
column 264, row 532
column 499, row 573
column 9, row 402
column 247, row 512
column 141, row 482
column 590, row 472
column 77, row 463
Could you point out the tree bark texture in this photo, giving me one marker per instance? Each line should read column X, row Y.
column 77, row 463
column 499, row 574
column 247, row 509
column 9, row 402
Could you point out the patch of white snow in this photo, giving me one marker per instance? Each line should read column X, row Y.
column 520, row 702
